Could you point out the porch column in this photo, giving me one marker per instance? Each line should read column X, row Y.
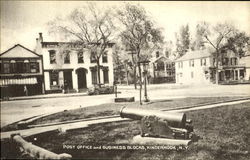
column 47, row 80
column 89, row 78
column 165, row 70
column 61, row 79
column 74, row 80
column 238, row 74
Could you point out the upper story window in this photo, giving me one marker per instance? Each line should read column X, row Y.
column 191, row 63
column 93, row 57
column 157, row 54
column 80, row 57
column 6, row 67
column 66, row 55
column 180, row 64
column 26, row 66
column 34, row 67
column 105, row 57
column 52, row 56
column 234, row 61
column 13, row 67
column 203, row 62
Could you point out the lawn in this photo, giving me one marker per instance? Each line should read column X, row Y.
column 224, row 132
column 114, row 108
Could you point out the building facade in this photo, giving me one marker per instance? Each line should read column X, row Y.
column 199, row 67
column 21, row 72
column 70, row 66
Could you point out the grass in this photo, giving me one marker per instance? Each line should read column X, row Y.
column 114, row 108
column 224, row 132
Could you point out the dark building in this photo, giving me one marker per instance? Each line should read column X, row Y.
column 21, row 72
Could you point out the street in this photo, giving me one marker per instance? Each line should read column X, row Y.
column 12, row 111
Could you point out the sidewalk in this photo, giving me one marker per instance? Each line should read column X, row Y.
column 55, row 95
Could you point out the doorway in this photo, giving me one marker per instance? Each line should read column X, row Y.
column 81, row 78
column 68, row 79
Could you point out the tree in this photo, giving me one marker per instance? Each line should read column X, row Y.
column 138, row 34
column 198, row 43
column 90, row 26
column 223, row 37
column 183, row 40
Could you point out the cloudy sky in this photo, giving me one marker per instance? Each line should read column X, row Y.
column 21, row 21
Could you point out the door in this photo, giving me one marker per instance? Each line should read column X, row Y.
column 67, row 79
column 81, row 78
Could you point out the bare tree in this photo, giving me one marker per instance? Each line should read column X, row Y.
column 216, row 37
column 138, row 34
column 90, row 26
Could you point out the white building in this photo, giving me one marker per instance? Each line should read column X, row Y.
column 192, row 68
column 69, row 65
column 198, row 67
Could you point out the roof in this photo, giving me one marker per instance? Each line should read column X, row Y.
column 70, row 43
column 19, row 51
column 153, row 60
column 195, row 55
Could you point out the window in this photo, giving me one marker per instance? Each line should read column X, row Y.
column 94, row 76
column 6, row 67
column 157, row 54
column 191, row 63
column 26, row 66
column 52, row 56
column 203, row 61
column 80, row 57
column 106, row 76
column 13, row 68
column 54, row 78
column 20, row 67
column 93, row 57
column 192, row 74
column 34, row 67
column 105, row 57
column 66, row 55
column 160, row 66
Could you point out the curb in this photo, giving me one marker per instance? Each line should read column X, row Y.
column 45, row 97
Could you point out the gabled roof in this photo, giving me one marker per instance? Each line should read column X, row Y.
column 19, row 51
column 195, row 55
column 163, row 58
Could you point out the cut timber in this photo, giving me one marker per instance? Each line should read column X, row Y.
column 125, row 99
column 38, row 152
column 160, row 141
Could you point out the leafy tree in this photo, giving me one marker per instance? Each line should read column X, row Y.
column 183, row 40
column 90, row 26
column 223, row 37
column 138, row 34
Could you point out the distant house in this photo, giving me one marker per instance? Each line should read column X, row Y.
column 21, row 72
column 198, row 67
column 71, row 66
column 162, row 69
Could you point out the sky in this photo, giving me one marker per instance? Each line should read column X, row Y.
column 21, row 21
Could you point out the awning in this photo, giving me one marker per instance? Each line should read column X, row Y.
column 20, row 81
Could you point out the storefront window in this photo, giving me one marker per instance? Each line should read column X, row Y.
column 54, row 78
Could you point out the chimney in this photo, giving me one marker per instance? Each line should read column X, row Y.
column 41, row 37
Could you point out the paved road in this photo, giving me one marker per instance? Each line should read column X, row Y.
column 12, row 111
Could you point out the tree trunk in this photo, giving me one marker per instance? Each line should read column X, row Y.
column 140, row 81
column 98, row 72
column 135, row 77
column 217, row 67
